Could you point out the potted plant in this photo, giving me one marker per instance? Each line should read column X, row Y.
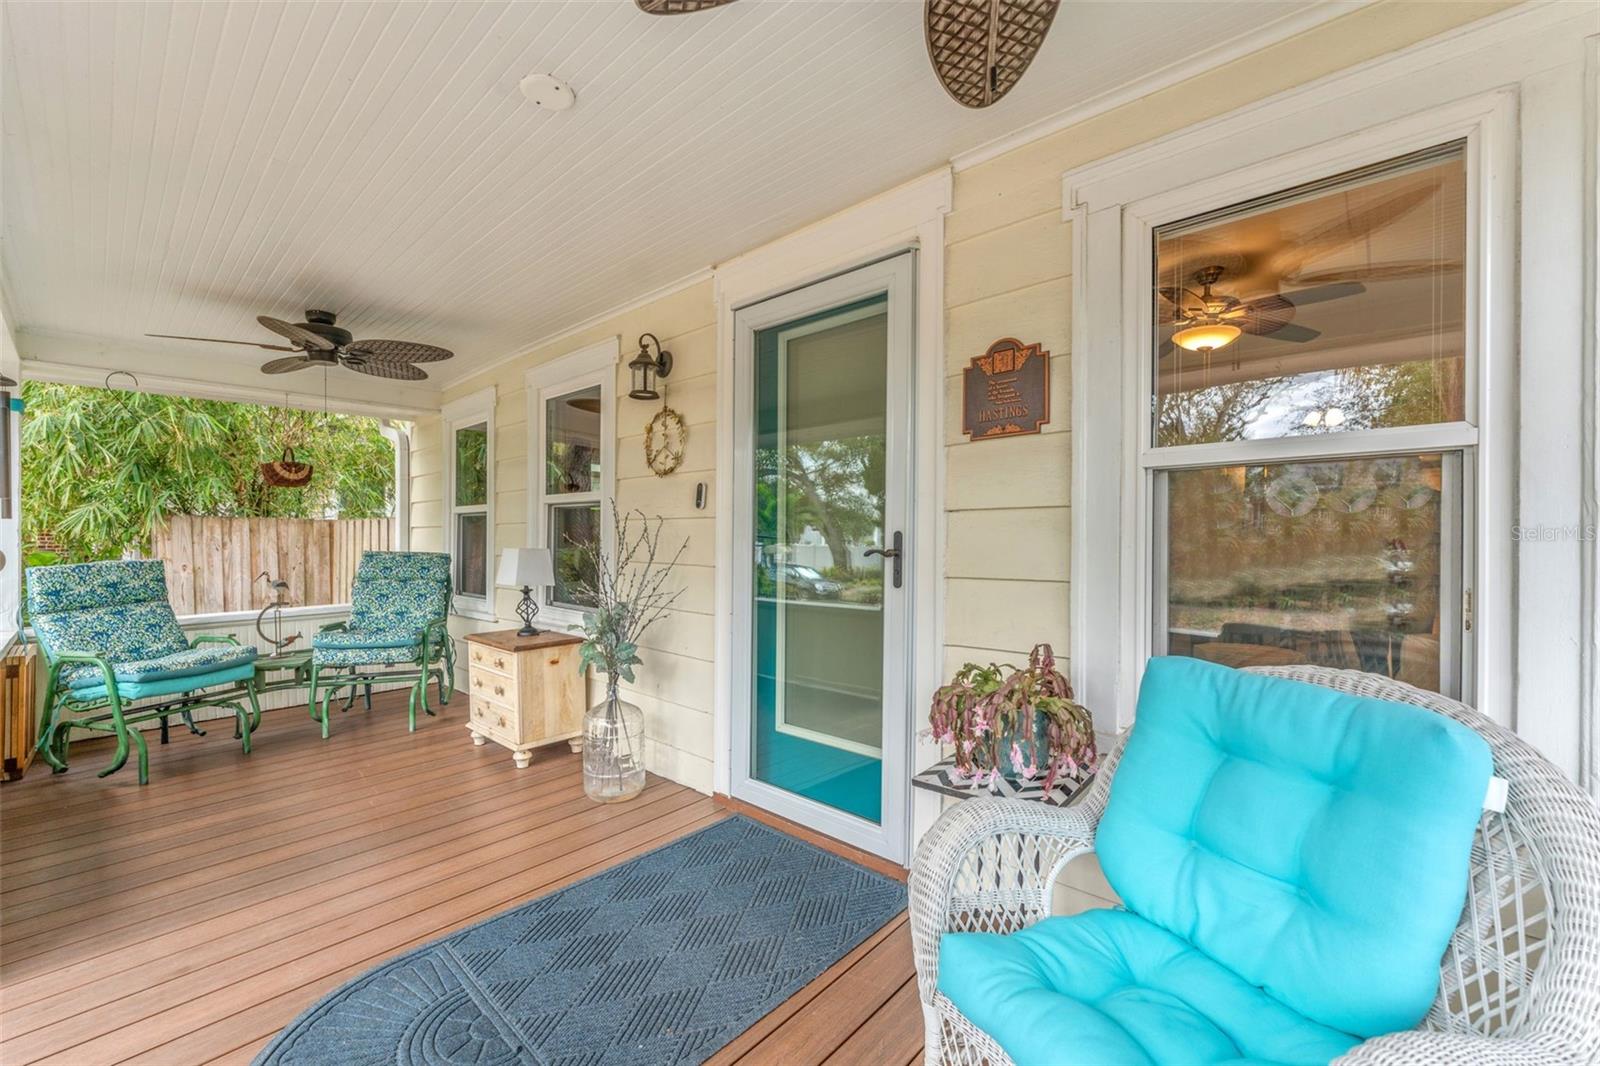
column 628, row 593
column 1014, row 723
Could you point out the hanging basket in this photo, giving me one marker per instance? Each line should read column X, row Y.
column 286, row 473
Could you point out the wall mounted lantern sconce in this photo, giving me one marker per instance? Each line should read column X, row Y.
column 645, row 368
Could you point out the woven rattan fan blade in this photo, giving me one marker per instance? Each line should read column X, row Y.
column 678, row 7
column 393, row 371
column 400, row 352
column 981, row 48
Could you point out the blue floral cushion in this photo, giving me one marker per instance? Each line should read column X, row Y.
column 361, row 638
column 116, row 610
column 400, row 592
column 199, row 660
column 366, row 656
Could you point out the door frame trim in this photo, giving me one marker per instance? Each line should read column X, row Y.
column 897, row 277
column 906, row 217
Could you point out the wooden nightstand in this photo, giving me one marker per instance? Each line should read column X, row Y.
column 525, row 692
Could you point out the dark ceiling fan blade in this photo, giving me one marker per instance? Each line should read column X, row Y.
column 302, row 337
column 1322, row 293
column 286, row 364
column 981, row 48
column 678, row 7
column 1293, row 331
column 400, row 352
column 1262, row 316
column 219, row 340
column 394, row 371
column 1166, row 349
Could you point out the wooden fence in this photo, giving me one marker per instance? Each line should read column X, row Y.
column 213, row 564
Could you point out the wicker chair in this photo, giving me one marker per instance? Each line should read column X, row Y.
column 1519, row 983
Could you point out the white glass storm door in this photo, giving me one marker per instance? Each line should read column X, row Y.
column 823, row 390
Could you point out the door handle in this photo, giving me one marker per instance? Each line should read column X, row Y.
column 895, row 553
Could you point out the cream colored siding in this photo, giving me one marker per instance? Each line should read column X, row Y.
column 674, row 685
column 1008, row 273
column 1007, row 260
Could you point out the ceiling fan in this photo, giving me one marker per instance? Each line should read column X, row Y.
column 1208, row 320
column 979, row 48
column 318, row 342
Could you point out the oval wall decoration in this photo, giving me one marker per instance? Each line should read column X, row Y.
column 981, row 48
column 664, row 438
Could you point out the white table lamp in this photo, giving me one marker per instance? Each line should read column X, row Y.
column 527, row 569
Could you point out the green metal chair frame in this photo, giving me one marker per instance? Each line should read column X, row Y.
column 111, row 715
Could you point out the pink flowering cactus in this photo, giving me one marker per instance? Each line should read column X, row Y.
column 1020, row 723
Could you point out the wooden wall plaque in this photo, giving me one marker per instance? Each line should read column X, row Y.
column 1006, row 390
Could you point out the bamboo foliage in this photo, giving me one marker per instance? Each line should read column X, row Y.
column 213, row 564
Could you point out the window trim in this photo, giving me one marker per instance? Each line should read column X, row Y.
column 1115, row 206
column 468, row 411
column 585, row 368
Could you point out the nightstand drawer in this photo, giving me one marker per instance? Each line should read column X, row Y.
column 495, row 688
column 500, row 722
column 492, row 660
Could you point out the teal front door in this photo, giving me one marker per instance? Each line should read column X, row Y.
column 822, row 732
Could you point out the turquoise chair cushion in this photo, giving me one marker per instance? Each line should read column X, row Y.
column 1313, row 842
column 168, row 686
column 1106, row 986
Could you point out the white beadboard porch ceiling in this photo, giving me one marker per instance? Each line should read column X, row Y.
column 182, row 168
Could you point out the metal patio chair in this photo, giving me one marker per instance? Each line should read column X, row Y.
column 112, row 642
column 396, row 632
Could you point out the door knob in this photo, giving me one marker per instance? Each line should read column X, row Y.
column 896, row 554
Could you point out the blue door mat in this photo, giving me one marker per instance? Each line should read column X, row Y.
column 662, row 959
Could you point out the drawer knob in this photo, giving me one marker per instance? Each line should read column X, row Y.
column 499, row 690
column 499, row 664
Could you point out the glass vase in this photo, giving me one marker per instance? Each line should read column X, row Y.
column 613, row 750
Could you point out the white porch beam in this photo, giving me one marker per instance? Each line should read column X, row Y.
column 201, row 372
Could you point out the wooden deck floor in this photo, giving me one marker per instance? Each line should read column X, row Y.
column 210, row 907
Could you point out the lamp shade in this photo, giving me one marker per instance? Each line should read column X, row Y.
column 525, row 568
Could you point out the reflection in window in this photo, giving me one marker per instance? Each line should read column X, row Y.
column 1334, row 563
column 572, row 442
column 1333, row 307
column 472, row 554
column 472, row 466
column 470, row 509
column 574, row 532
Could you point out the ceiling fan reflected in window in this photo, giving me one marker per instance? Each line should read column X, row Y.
column 1208, row 320
column 319, row 342
column 979, row 48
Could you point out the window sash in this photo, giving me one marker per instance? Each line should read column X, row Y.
column 469, row 413
column 598, row 370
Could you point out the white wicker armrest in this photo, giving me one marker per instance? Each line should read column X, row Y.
column 1420, row 1047
column 988, row 865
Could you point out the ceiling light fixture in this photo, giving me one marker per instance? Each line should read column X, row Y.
column 1206, row 336
column 549, row 92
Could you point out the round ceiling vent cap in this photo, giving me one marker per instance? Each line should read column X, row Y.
column 549, row 92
